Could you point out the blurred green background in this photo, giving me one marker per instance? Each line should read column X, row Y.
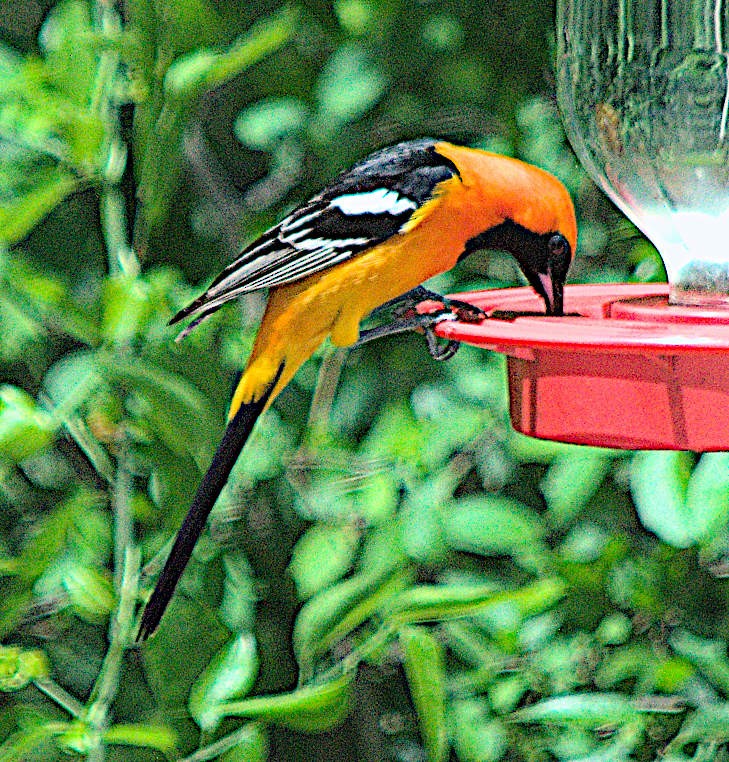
column 392, row 573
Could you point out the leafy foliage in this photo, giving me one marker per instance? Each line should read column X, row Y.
column 392, row 573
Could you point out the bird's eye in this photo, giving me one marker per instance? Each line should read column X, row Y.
column 557, row 246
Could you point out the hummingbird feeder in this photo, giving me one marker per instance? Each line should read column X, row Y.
column 644, row 92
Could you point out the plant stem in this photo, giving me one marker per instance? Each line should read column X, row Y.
column 61, row 696
column 220, row 746
column 120, row 635
column 122, row 514
column 122, row 259
column 326, row 387
column 370, row 645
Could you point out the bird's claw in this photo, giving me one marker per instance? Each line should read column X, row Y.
column 437, row 351
column 410, row 320
column 407, row 318
column 464, row 311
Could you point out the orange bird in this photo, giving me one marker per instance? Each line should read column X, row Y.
column 399, row 217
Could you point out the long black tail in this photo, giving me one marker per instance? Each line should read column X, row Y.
column 234, row 438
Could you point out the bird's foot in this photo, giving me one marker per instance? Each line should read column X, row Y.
column 464, row 311
column 414, row 321
column 407, row 318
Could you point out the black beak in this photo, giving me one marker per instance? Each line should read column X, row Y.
column 553, row 294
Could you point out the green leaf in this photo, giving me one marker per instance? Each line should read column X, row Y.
column 51, row 533
column 173, row 478
column 188, row 78
column 424, row 664
column 577, row 744
column 505, row 694
column 309, row 709
column 358, row 16
column 350, row 84
column 230, row 674
column 681, row 507
column 650, row 671
column 91, row 537
column 614, row 629
column 322, row 556
column 160, row 737
column 532, row 450
column 631, row 661
column 336, row 611
column 431, row 603
column 166, row 400
column 22, row 332
column 421, row 520
column 659, row 482
column 188, row 638
column 377, row 497
column 127, row 308
column 18, row 667
column 591, row 710
column 422, row 533
column 395, row 435
column 201, row 71
column 25, row 429
column 252, row 746
column 21, row 212
column 78, row 738
column 38, row 566
column 238, row 607
column 672, row 675
column 451, row 426
column 708, row 724
column 707, row 496
column 177, row 26
column 585, row 544
column 539, row 633
column 264, row 124
column 20, row 746
column 90, row 592
column 72, row 382
column 443, row 32
column 66, row 41
column 571, row 481
column 469, row 644
column 476, row 736
column 43, row 301
column 496, row 526
column 708, row 656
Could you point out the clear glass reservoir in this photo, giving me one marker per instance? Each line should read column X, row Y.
column 643, row 86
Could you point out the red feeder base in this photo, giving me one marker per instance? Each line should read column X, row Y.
column 623, row 369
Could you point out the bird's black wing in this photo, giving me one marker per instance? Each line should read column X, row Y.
column 361, row 208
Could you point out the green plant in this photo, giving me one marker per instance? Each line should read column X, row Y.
column 395, row 575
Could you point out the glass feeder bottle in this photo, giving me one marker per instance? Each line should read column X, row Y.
column 643, row 86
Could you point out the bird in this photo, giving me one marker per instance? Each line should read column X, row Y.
column 400, row 216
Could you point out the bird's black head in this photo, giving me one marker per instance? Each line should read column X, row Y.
column 543, row 258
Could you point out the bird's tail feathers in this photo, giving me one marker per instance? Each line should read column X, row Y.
column 235, row 437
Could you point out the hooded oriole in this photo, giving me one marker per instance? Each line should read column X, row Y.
column 399, row 217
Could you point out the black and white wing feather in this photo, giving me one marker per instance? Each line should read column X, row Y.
column 360, row 209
